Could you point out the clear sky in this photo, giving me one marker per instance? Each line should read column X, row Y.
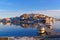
column 11, row 8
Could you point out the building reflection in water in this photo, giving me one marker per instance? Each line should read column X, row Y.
column 6, row 23
column 35, row 25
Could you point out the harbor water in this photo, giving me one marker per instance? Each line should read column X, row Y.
column 19, row 33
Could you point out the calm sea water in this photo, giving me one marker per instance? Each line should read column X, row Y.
column 14, row 30
column 56, row 26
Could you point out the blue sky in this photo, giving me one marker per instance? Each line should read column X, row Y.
column 11, row 8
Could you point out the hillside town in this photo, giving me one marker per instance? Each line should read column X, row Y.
column 26, row 16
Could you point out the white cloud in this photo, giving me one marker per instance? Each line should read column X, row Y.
column 8, row 13
column 52, row 13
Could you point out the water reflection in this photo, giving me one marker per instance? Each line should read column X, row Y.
column 27, row 27
column 21, row 25
column 20, row 29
